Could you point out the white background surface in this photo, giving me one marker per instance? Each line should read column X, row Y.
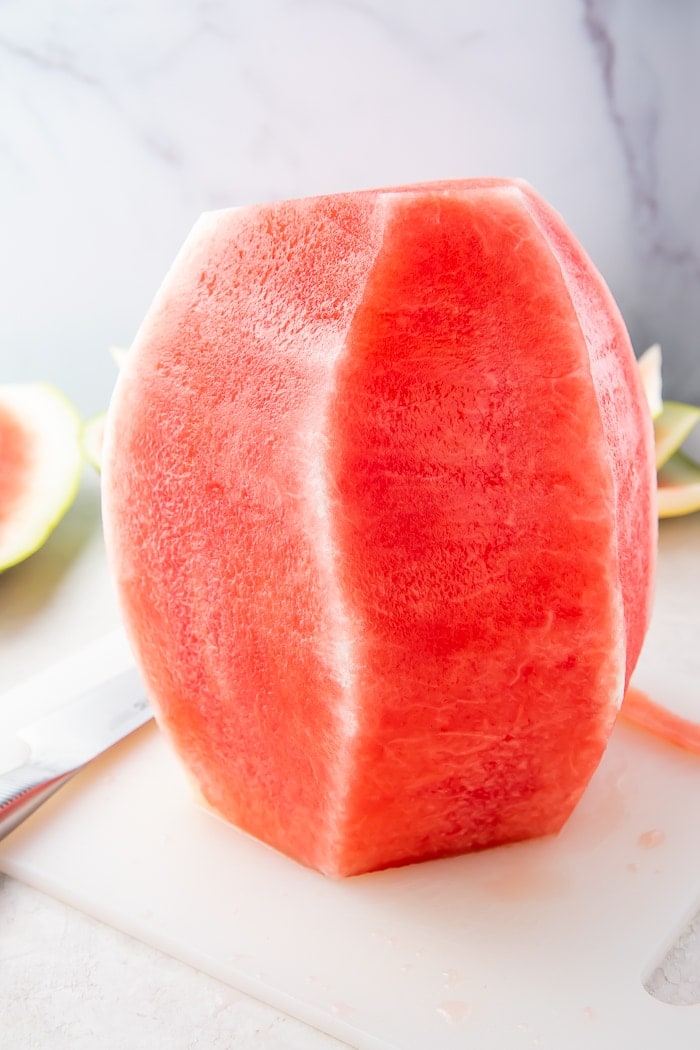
column 70, row 983
column 121, row 121
column 471, row 950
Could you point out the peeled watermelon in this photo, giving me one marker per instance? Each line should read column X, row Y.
column 379, row 504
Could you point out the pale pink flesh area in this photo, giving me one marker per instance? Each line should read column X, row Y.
column 16, row 454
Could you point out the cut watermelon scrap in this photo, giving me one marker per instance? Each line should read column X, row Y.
column 639, row 708
column 679, row 486
column 92, row 437
column 674, row 421
column 665, row 699
column 650, row 368
column 672, row 427
column 40, row 466
column 379, row 502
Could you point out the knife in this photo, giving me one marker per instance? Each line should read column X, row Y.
column 62, row 742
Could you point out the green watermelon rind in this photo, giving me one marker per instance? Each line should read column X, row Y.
column 91, row 437
column 678, row 476
column 672, row 427
column 679, row 486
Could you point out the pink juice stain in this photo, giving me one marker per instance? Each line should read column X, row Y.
column 453, row 1010
column 651, row 839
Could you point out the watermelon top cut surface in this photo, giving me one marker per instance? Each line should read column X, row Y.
column 379, row 502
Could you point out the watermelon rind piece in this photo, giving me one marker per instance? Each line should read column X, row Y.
column 93, row 430
column 119, row 355
column 678, row 486
column 46, row 430
column 678, row 476
column 92, row 437
column 650, row 369
column 672, row 427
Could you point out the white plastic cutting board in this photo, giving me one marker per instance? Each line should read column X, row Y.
column 544, row 944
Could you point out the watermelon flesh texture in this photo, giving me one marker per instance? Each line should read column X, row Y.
column 40, row 466
column 16, row 458
column 379, row 502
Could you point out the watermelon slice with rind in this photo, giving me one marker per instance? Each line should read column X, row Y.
column 679, row 486
column 678, row 475
column 40, row 466
column 672, row 427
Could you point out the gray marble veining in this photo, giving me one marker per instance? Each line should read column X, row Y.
column 648, row 60
column 120, row 122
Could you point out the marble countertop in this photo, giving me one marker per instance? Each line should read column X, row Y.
column 68, row 982
column 120, row 122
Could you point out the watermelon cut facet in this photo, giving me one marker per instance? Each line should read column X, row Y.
column 379, row 503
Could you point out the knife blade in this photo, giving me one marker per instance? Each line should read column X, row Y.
column 65, row 740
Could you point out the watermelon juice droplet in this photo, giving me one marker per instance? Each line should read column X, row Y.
column 453, row 1010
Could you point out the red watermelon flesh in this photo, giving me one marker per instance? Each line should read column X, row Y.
column 40, row 466
column 379, row 503
column 16, row 454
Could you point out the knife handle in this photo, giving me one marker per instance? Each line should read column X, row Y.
column 24, row 789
